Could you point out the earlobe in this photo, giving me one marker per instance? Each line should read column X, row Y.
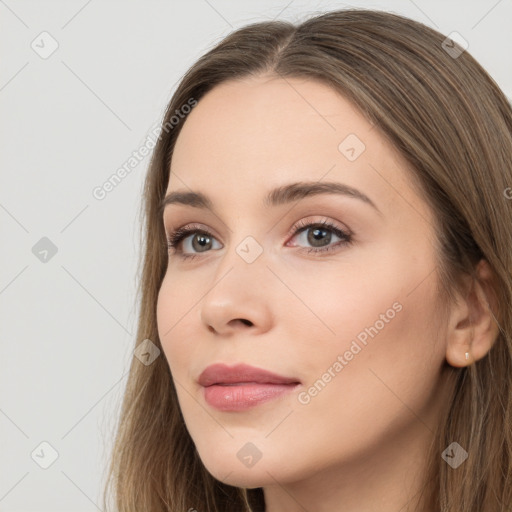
column 472, row 328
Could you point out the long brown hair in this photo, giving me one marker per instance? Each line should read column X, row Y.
column 452, row 123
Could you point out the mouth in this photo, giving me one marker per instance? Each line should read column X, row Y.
column 242, row 387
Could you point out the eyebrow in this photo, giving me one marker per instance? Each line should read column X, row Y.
column 276, row 197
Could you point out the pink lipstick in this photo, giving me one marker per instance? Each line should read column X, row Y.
column 240, row 387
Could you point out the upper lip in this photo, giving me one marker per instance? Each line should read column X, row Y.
column 223, row 374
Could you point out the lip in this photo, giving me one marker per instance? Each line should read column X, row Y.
column 240, row 387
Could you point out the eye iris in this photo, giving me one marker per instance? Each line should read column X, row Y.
column 203, row 240
column 316, row 236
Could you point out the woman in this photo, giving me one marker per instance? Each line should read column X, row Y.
column 327, row 273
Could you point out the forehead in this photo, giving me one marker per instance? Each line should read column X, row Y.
column 247, row 136
column 263, row 119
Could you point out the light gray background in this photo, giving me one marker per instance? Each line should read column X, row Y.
column 68, row 122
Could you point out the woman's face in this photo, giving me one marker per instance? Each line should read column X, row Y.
column 346, row 312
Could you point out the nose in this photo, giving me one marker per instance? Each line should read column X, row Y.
column 239, row 298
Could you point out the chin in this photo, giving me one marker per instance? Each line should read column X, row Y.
column 230, row 471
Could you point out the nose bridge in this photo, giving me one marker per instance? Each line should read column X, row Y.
column 245, row 250
column 238, row 290
column 242, row 265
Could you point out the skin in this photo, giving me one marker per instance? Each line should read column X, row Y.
column 362, row 440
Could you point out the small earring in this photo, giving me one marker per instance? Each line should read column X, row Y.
column 467, row 355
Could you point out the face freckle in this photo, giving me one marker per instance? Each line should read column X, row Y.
column 357, row 327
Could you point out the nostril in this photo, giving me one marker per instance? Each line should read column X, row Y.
column 244, row 321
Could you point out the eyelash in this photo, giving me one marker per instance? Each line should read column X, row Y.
column 175, row 237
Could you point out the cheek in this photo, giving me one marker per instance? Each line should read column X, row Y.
column 373, row 341
column 175, row 306
column 384, row 303
column 383, row 361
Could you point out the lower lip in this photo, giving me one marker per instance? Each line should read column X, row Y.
column 238, row 397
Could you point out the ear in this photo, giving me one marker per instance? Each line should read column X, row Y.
column 472, row 326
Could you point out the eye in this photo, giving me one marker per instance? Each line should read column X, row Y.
column 319, row 235
column 191, row 240
column 192, row 237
